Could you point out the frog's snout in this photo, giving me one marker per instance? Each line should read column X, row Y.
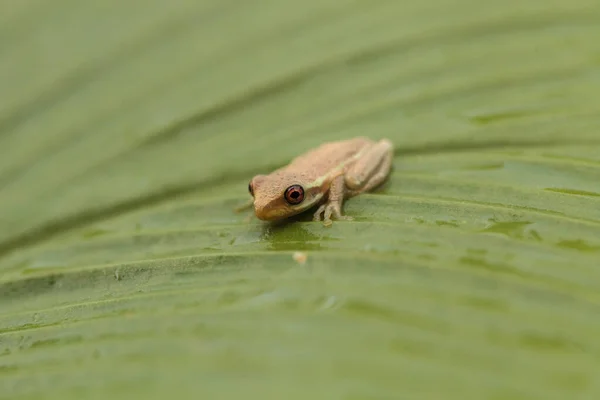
column 266, row 212
column 268, row 215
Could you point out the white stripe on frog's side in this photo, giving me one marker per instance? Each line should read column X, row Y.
column 308, row 204
column 337, row 170
column 321, row 180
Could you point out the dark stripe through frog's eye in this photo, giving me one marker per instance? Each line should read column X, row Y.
column 251, row 189
column 294, row 194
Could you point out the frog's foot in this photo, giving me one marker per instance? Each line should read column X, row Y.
column 244, row 206
column 328, row 210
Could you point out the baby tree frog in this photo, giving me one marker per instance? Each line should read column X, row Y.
column 325, row 176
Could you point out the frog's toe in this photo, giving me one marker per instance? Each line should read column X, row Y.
column 318, row 213
column 340, row 218
column 333, row 210
column 328, row 221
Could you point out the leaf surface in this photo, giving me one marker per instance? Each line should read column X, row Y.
column 129, row 134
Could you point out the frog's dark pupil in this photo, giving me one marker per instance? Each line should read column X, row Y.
column 294, row 194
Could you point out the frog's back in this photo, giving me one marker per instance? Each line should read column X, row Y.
column 328, row 155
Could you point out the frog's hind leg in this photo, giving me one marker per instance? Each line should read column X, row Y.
column 371, row 169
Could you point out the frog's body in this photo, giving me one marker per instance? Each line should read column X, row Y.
column 325, row 176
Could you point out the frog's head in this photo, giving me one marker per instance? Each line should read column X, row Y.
column 281, row 195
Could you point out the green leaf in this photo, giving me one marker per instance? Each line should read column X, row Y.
column 129, row 134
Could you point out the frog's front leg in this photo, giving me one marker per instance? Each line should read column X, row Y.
column 244, row 206
column 371, row 169
column 333, row 206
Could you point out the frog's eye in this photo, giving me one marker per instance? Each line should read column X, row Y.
column 251, row 189
column 294, row 194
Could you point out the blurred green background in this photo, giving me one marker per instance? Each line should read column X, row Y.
column 129, row 130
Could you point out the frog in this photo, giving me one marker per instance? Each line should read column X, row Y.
column 324, row 177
